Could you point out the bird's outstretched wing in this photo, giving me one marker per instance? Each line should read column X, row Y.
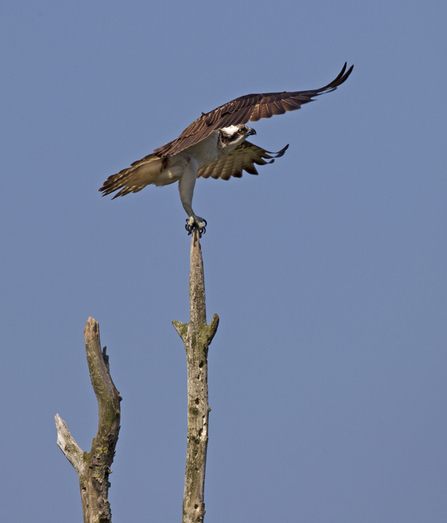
column 248, row 108
column 242, row 158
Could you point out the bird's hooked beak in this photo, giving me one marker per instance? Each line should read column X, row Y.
column 250, row 131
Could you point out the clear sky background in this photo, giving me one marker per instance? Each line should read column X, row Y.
column 328, row 270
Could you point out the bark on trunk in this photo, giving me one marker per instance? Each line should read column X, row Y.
column 93, row 467
column 197, row 336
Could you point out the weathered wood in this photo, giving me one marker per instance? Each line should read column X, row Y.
column 93, row 467
column 197, row 336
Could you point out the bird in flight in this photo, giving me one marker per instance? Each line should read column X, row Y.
column 213, row 146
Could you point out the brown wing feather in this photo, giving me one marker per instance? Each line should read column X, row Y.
column 248, row 108
column 242, row 158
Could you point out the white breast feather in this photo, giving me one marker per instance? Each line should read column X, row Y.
column 207, row 151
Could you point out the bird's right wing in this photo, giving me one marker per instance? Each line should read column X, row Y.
column 243, row 158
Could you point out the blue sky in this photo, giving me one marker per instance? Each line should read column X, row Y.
column 327, row 373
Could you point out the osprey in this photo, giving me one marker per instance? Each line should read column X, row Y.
column 213, row 146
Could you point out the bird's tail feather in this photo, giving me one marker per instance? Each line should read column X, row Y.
column 134, row 178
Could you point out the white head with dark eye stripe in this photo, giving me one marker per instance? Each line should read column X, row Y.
column 234, row 135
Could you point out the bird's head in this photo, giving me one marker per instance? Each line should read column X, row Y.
column 235, row 134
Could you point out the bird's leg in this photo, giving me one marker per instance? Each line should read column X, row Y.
column 186, row 188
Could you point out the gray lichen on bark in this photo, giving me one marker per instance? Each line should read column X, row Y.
column 93, row 467
column 197, row 336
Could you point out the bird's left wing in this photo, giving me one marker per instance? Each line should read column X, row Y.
column 243, row 158
column 248, row 108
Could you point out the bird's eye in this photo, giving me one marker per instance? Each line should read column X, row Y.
column 241, row 131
